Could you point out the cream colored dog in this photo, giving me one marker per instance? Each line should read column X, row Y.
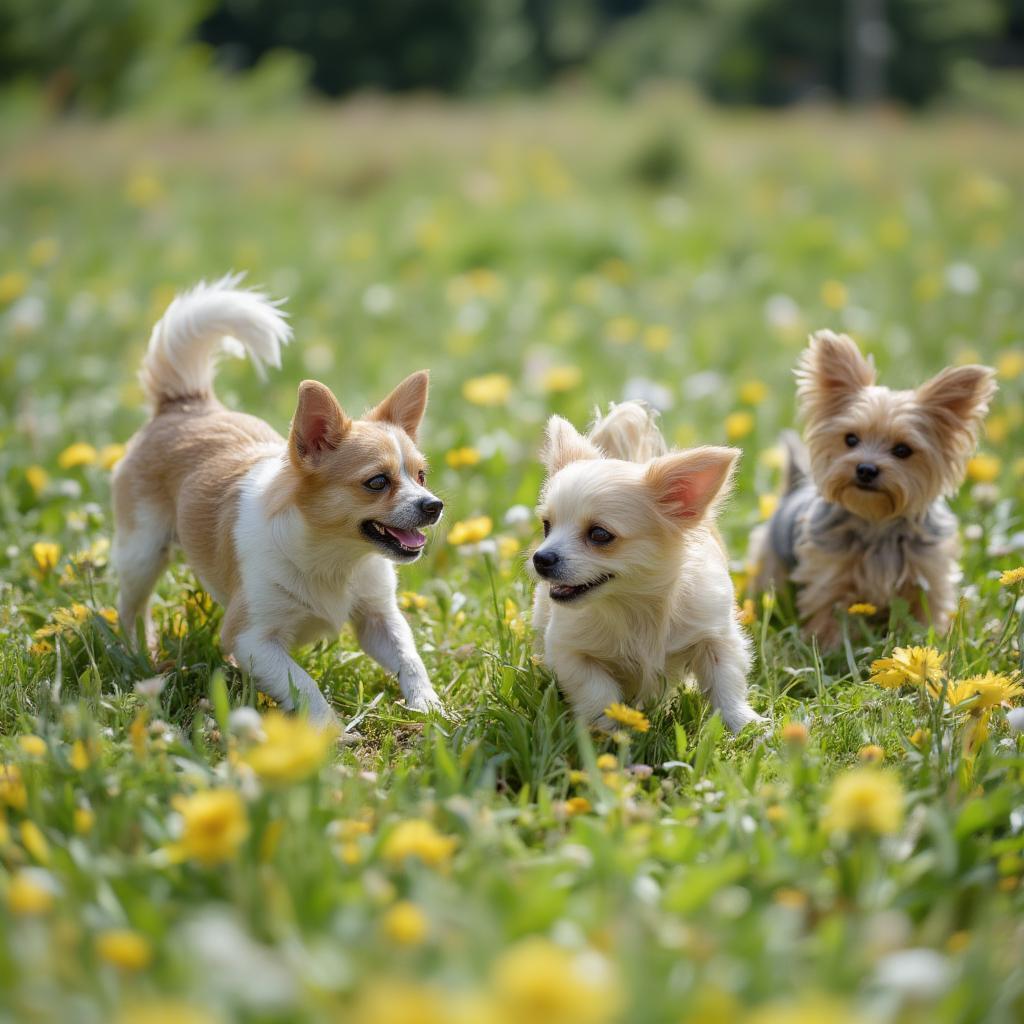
column 634, row 585
column 294, row 537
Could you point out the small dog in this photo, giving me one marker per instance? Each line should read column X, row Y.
column 634, row 585
column 294, row 537
column 863, row 518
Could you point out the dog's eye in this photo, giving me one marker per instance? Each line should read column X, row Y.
column 903, row 451
column 852, row 440
column 377, row 483
column 599, row 535
column 547, row 527
column 422, row 477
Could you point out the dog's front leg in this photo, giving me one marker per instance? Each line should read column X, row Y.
column 277, row 674
column 721, row 666
column 587, row 687
column 387, row 638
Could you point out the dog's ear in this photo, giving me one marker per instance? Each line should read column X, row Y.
column 687, row 485
column 831, row 370
column 405, row 406
column 563, row 444
column 318, row 426
column 959, row 396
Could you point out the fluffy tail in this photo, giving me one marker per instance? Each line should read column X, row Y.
column 198, row 326
column 628, row 431
column 796, row 468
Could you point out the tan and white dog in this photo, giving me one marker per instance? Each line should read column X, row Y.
column 634, row 587
column 294, row 537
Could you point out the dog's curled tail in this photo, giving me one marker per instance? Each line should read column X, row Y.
column 795, row 462
column 628, row 431
column 200, row 324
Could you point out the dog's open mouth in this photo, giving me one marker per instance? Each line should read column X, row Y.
column 403, row 543
column 565, row 592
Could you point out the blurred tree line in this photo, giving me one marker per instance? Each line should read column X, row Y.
column 109, row 54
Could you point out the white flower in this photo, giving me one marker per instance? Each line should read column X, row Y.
column 1015, row 720
column 703, row 385
column 781, row 312
column 918, row 974
column 246, row 722
column 379, row 299
column 962, row 278
column 649, row 391
column 517, row 515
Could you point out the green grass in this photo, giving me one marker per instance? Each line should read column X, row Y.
column 659, row 245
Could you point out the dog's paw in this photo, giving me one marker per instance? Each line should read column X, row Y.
column 424, row 702
column 737, row 719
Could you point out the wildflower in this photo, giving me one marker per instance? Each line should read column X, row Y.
column 489, row 390
column 607, row 762
column 410, row 599
column 577, row 805
column 12, row 286
column 738, row 424
column 214, row 825
column 984, row 469
column 291, row 749
column 794, row 899
column 561, row 378
column 916, row 974
column 462, row 458
column 834, row 294
column 872, row 753
column 748, row 614
column 417, row 838
column 37, row 478
column 795, row 733
column 657, row 338
column 812, row 1009
column 31, row 891
column 621, row 330
column 143, row 189
column 753, row 392
column 110, row 455
column 81, row 453
column 124, row 948
column 507, row 547
column 767, row 504
column 913, row 666
column 34, row 841
column 629, row 717
column 81, row 755
column 540, row 982
column 394, row 1001
column 1010, row 364
column 920, row 737
column 165, row 1011
column 12, row 788
column 405, row 924
column 83, row 820
column 984, row 692
column 470, row 531
column 864, row 800
column 862, row 608
column 32, row 745
column 776, row 813
column 46, row 554
column 1012, row 577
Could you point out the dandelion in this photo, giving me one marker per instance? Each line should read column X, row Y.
column 738, row 424
column 12, row 787
column 795, row 734
column 507, row 547
column 766, row 505
column 489, row 390
column 13, row 285
column 864, row 800
column 417, row 838
column 110, row 455
column 37, row 478
column 46, row 554
column 32, row 746
column 747, row 613
column 812, row 1009
column 43, row 251
column 405, row 924
column 124, row 949
column 607, row 762
column 577, row 805
column 984, row 469
column 629, row 717
column 872, row 753
column 470, row 531
column 862, row 608
column 462, row 458
column 31, row 892
column 657, row 338
column 34, row 841
column 621, row 330
column 410, row 599
column 83, row 820
column 291, row 750
column 81, row 755
column 394, row 1001
column 1012, row 577
column 214, row 826
column 920, row 737
column 753, row 392
column 834, row 294
column 1010, row 364
column 913, row 666
column 983, row 692
column 143, row 189
column 540, row 982
column 81, row 453
column 165, row 1011
column 561, row 378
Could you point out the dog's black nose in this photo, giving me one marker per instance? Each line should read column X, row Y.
column 866, row 472
column 545, row 561
column 432, row 507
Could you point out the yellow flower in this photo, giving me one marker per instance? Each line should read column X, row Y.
column 561, row 378
column 834, row 294
column 629, row 717
column 864, row 800
column 410, row 599
column 81, row 755
column 657, row 338
column 30, row 891
column 417, row 838
column 470, row 531
column 871, row 754
column 81, row 453
column 34, row 841
column 738, row 424
column 12, row 286
column 32, row 745
column 405, row 924
column 214, row 825
column 37, row 478
column 47, row 555
column 862, row 608
column 812, row 1009
column 143, row 189
column 621, row 330
column 83, row 820
column 124, row 948
column 893, row 233
column 165, row 1011
column 43, row 251
column 1012, row 577
column 110, row 455
column 462, row 458
column 1010, row 364
column 542, row 983
column 914, row 666
column 490, row 389
column 607, row 762
column 795, row 733
column 395, row 1001
column 920, row 737
column 577, row 805
column 753, row 392
column 767, row 504
column 292, row 749
column 987, row 691
column 748, row 614
column 12, row 788
column 984, row 469
column 507, row 547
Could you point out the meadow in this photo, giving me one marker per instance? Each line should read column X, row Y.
column 166, row 855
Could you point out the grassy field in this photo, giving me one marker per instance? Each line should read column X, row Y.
column 161, row 861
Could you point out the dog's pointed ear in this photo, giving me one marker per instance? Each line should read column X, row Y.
column 688, row 485
column 959, row 395
column 405, row 406
column 319, row 424
column 831, row 370
column 563, row 444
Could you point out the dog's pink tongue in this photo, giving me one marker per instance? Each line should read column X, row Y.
column 410, row 538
